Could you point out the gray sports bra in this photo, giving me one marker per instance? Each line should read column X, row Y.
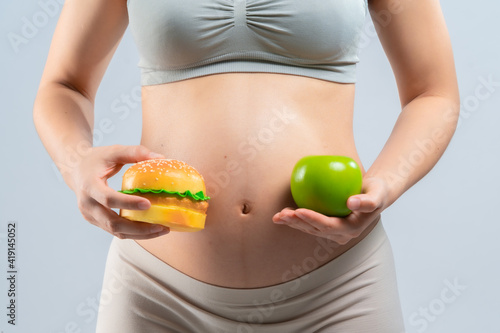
column 181, row 39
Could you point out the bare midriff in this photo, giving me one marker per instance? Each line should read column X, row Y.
column 244, row 132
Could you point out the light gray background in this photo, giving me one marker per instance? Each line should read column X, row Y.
column 444, row 230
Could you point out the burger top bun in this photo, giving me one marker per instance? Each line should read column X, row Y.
column 167, row 174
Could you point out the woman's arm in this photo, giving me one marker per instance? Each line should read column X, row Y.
column 86, row 37
column 415, row 39
column 87, row 34
column 416, row 42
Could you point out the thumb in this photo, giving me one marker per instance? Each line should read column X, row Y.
column 363, row 203
column 131, row 154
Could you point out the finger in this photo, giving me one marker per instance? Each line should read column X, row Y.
column 297, row 223
column 124, row 228
column 334, row 228
column 131, row 154
column 287, row 211
column 315, row 219
column 164, row 231
column 110, row 198
column 363, row 203
column 353, row 202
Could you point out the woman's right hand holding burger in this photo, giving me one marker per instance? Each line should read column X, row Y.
column 96, row 198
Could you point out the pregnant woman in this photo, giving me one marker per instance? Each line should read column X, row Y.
column 241, row 90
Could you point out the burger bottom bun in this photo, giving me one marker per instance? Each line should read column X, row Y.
column 174, row 217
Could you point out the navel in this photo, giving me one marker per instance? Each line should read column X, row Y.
column 245, row 208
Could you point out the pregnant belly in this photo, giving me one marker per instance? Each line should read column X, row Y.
column 244, row 138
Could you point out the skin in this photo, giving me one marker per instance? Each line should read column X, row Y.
column 245, row 133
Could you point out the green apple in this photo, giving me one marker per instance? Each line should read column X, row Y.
column 324, row 183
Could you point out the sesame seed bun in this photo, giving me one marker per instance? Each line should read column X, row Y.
column 175, row 189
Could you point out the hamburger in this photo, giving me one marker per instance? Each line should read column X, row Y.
column 176, row 192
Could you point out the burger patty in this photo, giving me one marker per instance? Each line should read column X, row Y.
column 175, row 200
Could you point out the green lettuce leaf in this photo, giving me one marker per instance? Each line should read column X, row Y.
column 196, row 196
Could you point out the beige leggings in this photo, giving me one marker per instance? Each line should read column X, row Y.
column 356, row 292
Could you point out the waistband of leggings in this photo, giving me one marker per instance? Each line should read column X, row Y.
column 347, row 261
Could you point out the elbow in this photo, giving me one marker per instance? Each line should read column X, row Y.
column 38, row 104
column 36, row 111
column 449, row 95
column 448, row 105
column 40, row 108
column 451, row 112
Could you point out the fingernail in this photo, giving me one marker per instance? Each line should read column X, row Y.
column 143, row 205
column 155, row 155
column 165, row 231
column 355, row 203
column 286, row 219
column 156, row 228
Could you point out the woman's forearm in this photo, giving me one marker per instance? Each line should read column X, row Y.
column 419, row 138
column 63, row 118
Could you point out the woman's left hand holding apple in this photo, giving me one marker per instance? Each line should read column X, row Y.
column 366, row 208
